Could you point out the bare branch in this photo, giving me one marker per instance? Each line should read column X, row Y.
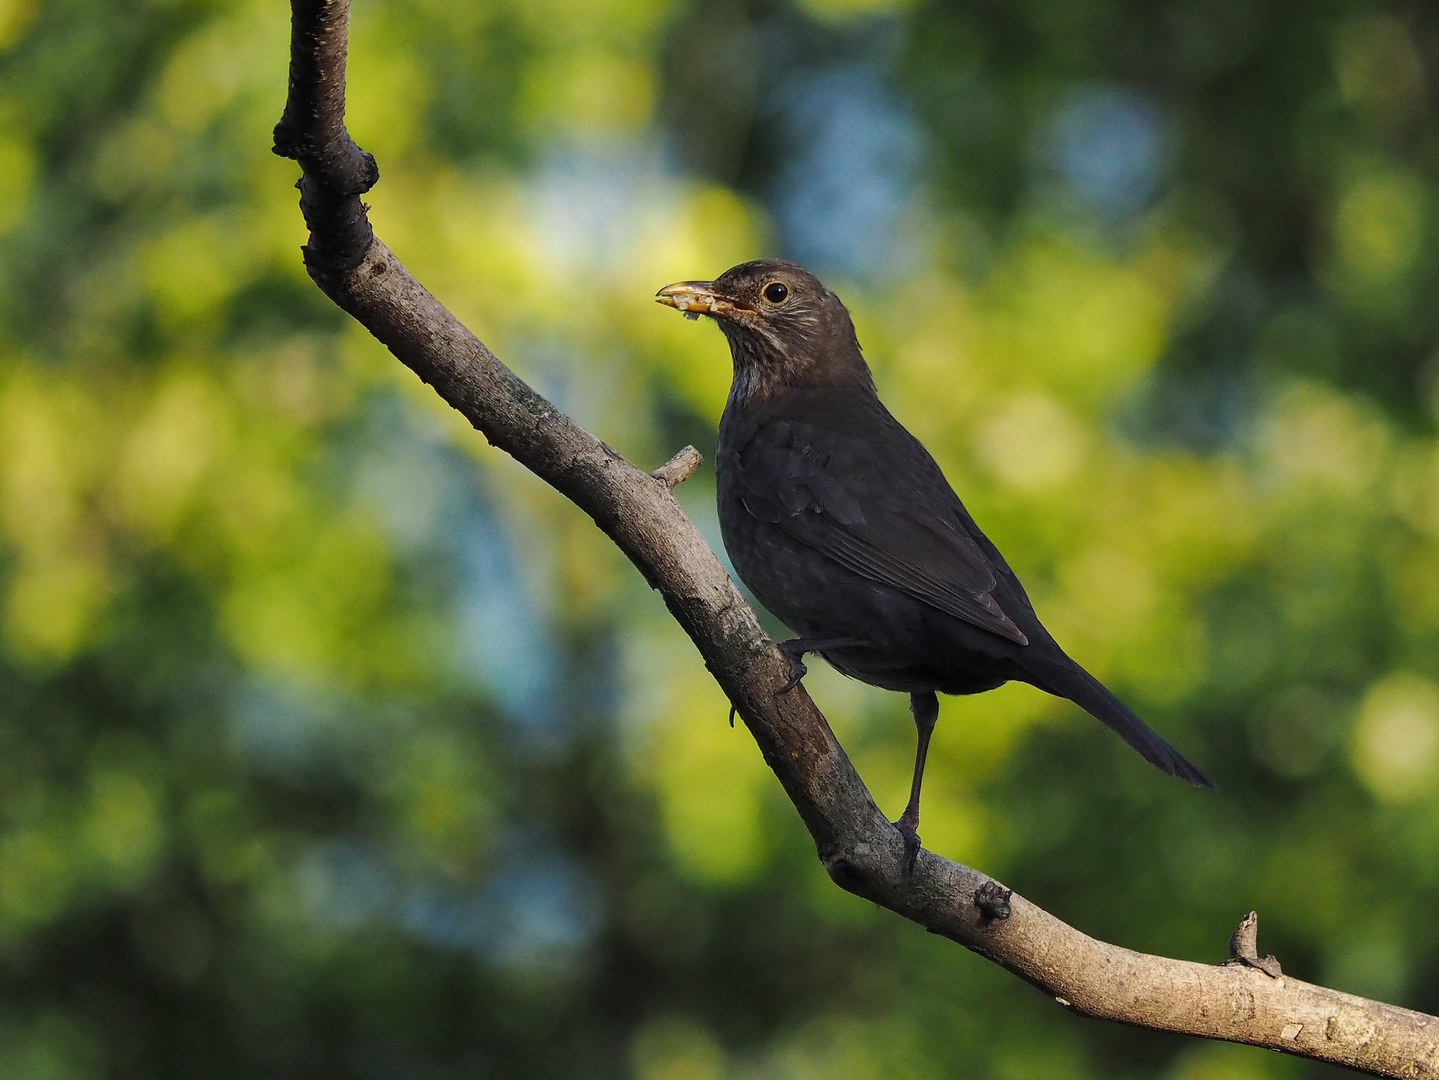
column 1246, row 1001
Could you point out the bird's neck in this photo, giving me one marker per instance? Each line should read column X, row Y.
column 763, row 373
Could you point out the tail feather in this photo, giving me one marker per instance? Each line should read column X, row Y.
column 1069, row 680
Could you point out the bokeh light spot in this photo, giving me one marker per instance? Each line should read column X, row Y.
column 1031, row 442
column 1379, row 229
column 675, row 1049
column 1396, row 738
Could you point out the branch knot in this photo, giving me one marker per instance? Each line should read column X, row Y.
column 992, row 899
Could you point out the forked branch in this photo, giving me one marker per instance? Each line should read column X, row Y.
column 1245, row 1000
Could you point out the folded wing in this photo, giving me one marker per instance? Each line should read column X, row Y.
column 902, row 527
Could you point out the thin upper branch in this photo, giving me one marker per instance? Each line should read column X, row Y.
column 1239, row 1002
column 312, row 131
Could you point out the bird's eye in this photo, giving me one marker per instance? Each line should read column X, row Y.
column 775, row 292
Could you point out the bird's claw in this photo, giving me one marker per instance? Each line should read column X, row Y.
column 797, row 668
column 910, row 835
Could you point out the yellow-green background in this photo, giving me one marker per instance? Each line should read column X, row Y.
column 333, row 744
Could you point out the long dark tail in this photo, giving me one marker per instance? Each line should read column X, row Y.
column 1064, row 678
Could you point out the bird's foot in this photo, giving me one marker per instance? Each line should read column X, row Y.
column 909, row 833
column 794, row 653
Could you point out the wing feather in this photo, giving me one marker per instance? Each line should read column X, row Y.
column 905, row 529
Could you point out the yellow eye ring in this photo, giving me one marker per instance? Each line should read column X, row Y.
column 776, row 292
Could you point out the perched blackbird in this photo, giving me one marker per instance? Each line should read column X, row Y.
column 843, row 525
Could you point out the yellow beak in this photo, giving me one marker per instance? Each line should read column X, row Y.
column 696, row 298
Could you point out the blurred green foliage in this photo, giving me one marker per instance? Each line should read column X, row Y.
column 333, row 744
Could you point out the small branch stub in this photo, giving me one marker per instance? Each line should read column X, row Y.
column 678, row 469
column 1244, row 948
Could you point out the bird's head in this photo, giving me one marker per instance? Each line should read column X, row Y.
column 785, row 329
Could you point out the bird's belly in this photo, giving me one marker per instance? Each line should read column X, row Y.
column 956, row 673
column 907, row 645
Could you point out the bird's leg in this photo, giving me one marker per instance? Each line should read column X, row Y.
column 924, row 706
column 795, row 648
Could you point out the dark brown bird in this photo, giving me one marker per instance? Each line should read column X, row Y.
column 843, row 525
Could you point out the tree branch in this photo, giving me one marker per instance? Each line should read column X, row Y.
column 1245, row 1000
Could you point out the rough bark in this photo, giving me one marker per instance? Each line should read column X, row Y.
column 1247, row 999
